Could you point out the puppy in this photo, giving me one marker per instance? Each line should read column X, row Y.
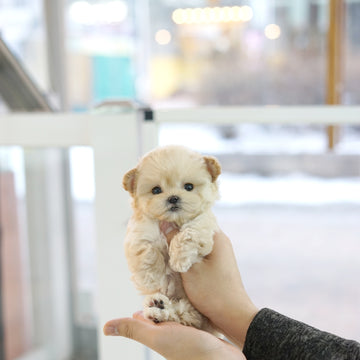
column 177, row 185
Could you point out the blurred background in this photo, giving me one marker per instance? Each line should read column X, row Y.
column 290, row 194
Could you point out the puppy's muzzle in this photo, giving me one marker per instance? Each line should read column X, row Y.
column 174, row 201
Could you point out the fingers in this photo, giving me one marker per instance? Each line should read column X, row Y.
column 222, row 246
column 136, row 328
column 221, row 239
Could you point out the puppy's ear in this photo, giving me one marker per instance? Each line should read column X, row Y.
column 213, row 167
column 129, row 181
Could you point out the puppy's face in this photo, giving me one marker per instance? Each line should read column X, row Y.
column 173, row 183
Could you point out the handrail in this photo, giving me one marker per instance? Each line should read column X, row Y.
column 69, row 129
column 296, row 115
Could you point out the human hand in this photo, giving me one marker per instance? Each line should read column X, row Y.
column 215, row 288
column 172, row 340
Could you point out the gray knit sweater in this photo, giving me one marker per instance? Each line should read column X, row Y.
column 272, row 336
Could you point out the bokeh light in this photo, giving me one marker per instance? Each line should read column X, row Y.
column 163, row 37
column 212, row 15
column 85, row 13
column 272, row 31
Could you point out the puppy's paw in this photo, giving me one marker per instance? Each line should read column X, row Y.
column 184, row 251
column 180, row 263
column 156, row 308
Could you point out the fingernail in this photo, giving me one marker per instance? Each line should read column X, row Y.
column 111, row 331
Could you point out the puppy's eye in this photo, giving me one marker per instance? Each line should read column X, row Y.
column 188, row 186
column 156, row 190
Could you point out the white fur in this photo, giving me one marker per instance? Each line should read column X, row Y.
column 155, row 266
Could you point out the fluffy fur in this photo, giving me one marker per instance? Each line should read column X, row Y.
column 176, row 185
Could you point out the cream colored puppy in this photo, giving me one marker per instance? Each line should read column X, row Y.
column 177, row 185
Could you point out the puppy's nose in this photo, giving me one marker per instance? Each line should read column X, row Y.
column 173, row 199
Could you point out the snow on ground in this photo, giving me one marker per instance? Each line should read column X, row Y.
column 295, row 189
column 254, row 139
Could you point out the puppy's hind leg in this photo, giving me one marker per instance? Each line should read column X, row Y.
column 184, row 313
column 157, row 307
column 160, row 308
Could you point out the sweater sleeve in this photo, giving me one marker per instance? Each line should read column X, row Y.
column 272, row 336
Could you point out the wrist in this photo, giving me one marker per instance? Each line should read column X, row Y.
column 237, row 321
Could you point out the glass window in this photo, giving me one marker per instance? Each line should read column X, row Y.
column 101, row 41
column 258, row 52
column 181, row 54
column 173, row 53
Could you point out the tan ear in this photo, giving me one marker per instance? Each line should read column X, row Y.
column 213, row 167
column 129, row 181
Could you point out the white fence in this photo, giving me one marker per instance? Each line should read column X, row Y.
column 118, row 140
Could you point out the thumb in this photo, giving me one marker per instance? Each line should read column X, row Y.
column 131, row 328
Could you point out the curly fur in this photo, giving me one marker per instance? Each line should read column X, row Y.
column 155, row 265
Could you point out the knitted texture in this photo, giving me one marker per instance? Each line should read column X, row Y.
column 272, row 336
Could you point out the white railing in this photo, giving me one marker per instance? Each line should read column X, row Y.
column 295, row 115
column 118, row 140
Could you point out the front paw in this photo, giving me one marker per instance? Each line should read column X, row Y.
column 183, row 251
column 156, row 308
column 181, row 265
